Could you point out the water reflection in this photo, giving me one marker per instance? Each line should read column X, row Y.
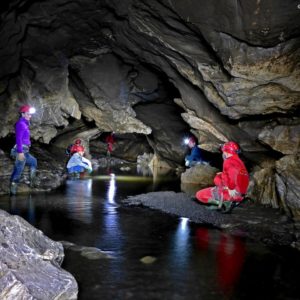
column 229, row 253
column 111, row 189
column 31, row 210
column 79, row 199
column 230, row 259
column 23, row 205
column 181, row 240
column 110, row 233
column 143, row 170
column 180, row 246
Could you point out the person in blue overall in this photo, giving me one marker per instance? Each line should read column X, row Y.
column 195, row 156
column 21, row 150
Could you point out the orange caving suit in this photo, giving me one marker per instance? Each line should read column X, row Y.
column 234, row 177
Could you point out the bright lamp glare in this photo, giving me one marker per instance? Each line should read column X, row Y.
column 186, row 141
column 111, row 189
column 184, row 223
column 32, row 110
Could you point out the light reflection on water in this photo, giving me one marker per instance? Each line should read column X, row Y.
column 191, row 262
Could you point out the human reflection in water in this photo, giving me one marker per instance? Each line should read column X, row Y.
column 24, row 206
column 79, row 195
column 230, row 254
column 31, row 210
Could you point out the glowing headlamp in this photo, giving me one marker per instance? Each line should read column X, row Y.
column 32, row 110
column 186, row 141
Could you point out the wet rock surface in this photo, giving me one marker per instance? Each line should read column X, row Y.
column 30, row 263
column 254, row 221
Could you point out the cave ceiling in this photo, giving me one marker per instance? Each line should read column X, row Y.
column 233, row 65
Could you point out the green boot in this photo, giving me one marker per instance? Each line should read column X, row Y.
column 213, row 204
column 13, row 188
column 227, row 207
column 33, row 178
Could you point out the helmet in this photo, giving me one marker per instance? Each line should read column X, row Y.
column 79, row 148
column 230, row 147
column 76, row 148
column 27, row 108
column 78, row 141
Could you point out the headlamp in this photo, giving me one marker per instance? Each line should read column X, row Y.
column 186, row 141
column 32, row 110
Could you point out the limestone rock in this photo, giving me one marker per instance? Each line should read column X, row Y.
column 30, row 263
column 197, row 177
column 262, row 187
column 282, row 138
column 44, row 86
column 202, row 175
column 288, row 183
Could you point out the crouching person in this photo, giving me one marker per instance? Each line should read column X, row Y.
column 231, row 184
column 78, row 164
column 195, row 156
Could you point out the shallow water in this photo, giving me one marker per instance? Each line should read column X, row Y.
column 149, row 254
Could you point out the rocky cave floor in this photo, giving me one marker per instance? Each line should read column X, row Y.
column 263, row 224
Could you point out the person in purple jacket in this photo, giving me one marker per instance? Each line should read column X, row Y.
column 21, row 149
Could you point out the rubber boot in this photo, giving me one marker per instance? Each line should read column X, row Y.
column 13, row 188
column 32, row 178
column 213, row 204
column 227, row 207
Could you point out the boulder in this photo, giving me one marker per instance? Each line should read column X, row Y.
column 30, row 266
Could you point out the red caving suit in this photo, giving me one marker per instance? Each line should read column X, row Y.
column 110, row 142
column 234, row 177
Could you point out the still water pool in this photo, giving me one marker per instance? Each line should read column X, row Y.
column 152, row 255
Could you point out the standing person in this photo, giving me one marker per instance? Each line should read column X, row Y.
column 21, row 149
column 195, row 156
column 231, row 184
column 110, row 140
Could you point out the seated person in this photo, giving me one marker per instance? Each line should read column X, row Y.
column 195, row 156
column 77, row 163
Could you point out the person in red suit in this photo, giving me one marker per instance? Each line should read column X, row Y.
column 110, row 140
column 231, row 184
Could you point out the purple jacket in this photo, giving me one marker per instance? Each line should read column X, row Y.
column 22, row 134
